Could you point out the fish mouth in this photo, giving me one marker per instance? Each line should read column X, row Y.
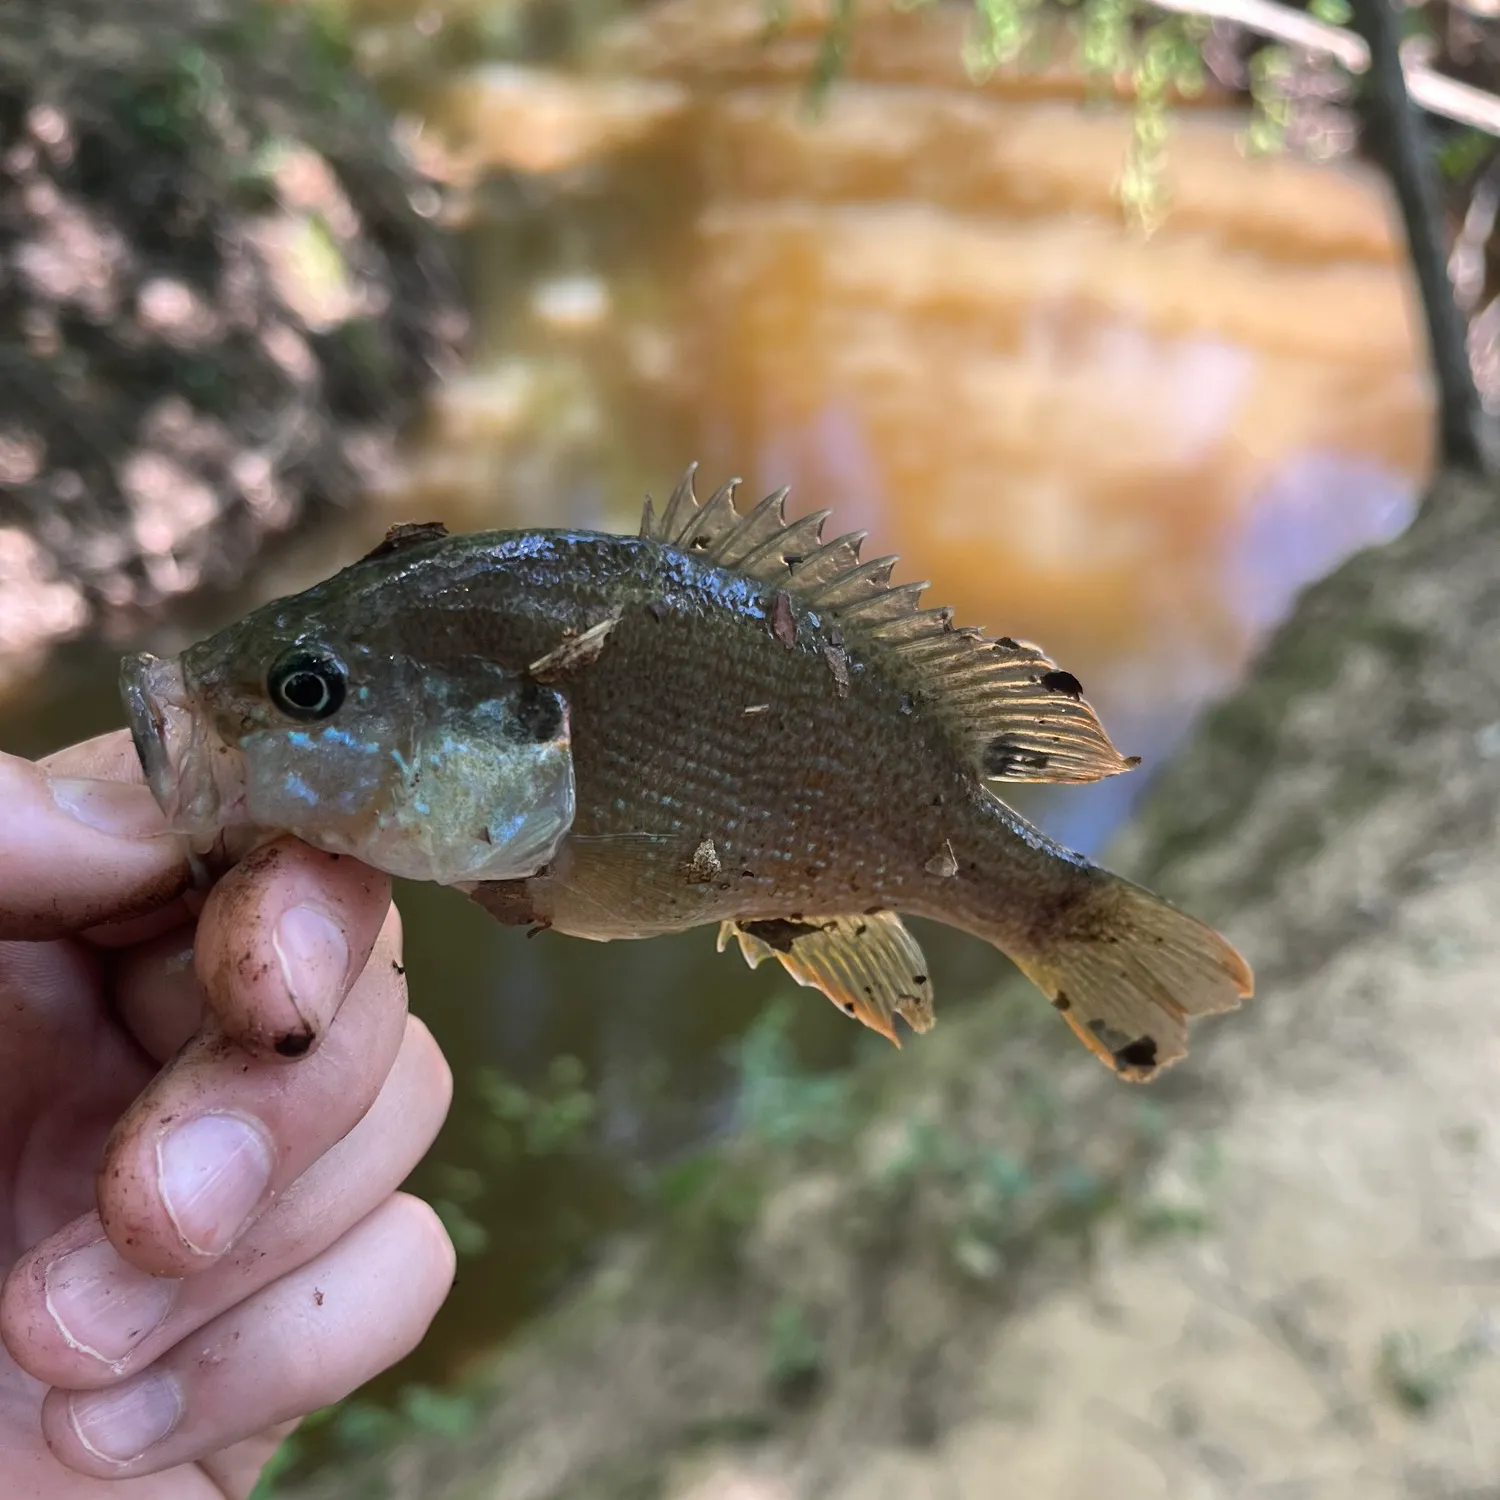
column 176, row 747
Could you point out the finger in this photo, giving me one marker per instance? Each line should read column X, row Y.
column 300, row 1344
column 281, row 939
column 218, row 1135
column 74, row 1314
column 112, row 757
column 66, row 1073
column 106, row 757
column 156, row 994
column 237, row 1469
column 75, row 852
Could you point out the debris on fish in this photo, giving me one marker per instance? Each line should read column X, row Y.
column 574, row 652
column 704, row 866
column 723, row 720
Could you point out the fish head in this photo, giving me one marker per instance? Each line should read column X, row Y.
column 283, row 723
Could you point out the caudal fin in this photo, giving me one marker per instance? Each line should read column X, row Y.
column 1132, row 972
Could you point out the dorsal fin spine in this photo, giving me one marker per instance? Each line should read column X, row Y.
column 760, row 533
column 868, row 580
column 680, row 506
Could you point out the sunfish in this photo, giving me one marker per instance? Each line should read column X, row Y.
column 724, row 720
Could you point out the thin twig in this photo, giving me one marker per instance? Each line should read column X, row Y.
column 1429, row 89
column 1294, row 27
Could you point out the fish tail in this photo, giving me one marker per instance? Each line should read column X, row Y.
column 1127, row 969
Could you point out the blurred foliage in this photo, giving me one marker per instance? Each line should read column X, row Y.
column 518, row 1123
column 1421, row 1380
column 1120, row 41
column 794, row 1351
column 950, row 1186
column 778, row 1102
column 537, row 1122
column 355, row 1429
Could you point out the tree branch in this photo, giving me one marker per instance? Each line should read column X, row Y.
column 1397, row 135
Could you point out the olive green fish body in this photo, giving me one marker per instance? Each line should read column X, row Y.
column 697, row 724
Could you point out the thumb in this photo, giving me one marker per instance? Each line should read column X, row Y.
column 78, row 850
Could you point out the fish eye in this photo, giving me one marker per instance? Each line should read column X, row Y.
column 306, row 683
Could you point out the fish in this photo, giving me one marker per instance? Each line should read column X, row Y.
column 725, row 720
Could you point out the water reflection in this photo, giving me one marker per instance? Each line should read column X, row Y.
column 923, row 311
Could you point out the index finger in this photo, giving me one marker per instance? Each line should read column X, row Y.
column 79, row 848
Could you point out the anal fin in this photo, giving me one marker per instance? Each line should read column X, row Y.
column 869, row 965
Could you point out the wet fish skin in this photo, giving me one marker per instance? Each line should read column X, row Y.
column 744, row 754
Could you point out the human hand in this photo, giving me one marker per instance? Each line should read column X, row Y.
column 196, row 1259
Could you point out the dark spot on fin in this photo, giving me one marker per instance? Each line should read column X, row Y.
column 1004, row 758
column 1063, row 682
column 1138, row 1057
column 778, row 932
column 407, row 534
column 1128, row 972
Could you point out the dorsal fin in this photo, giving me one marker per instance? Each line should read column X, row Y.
column 1021, row 717
column 406, row 534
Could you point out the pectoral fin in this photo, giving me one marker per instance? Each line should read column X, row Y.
column 869, row 966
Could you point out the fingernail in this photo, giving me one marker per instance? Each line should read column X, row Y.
column 102, row 1304
column 122, row 809
column 213, row 1173
column 314, row 959
column 121, row 1423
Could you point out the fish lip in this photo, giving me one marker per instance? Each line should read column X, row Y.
column 172, row 744
column 148, row 725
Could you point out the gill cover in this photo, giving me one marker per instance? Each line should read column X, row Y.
column 427, row 777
